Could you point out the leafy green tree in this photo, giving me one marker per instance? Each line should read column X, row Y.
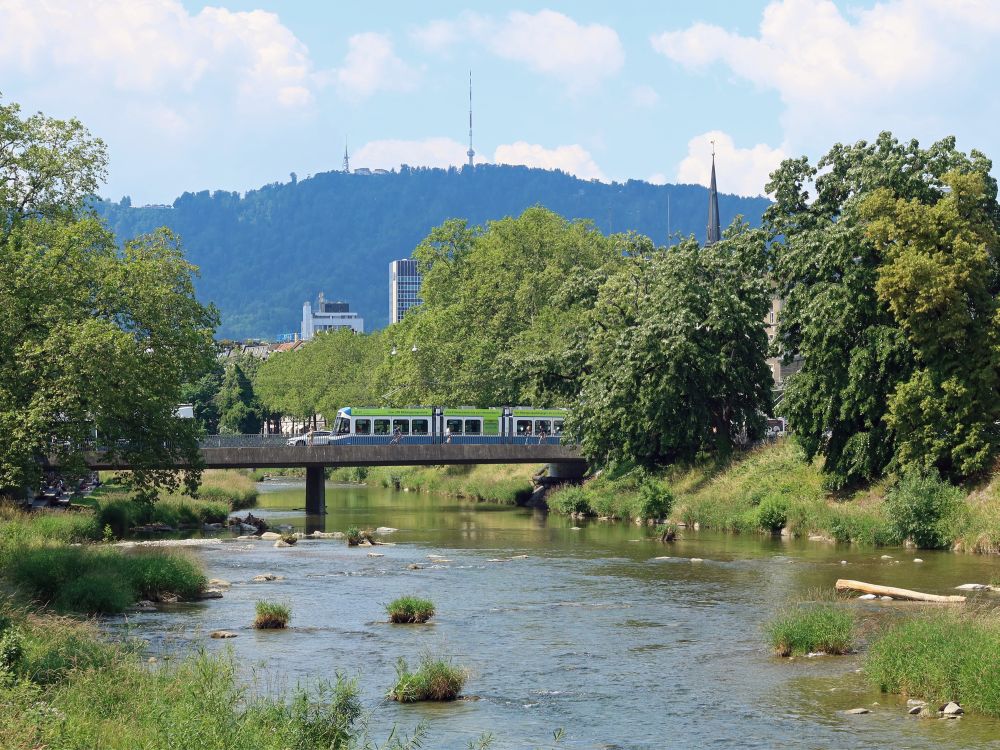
column 677, row 355
column 828, row 262
column 94, row 339
column 239, row 410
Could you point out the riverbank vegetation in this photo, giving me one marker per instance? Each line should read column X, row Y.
column 811, row 627
column 61, row 685
column 271, row 616
column 410, row 609
column 48, row 559
column 435, row 679
column 940, row 657
column 505, row 484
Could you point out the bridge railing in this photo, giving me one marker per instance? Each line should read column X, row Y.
column 272, row 441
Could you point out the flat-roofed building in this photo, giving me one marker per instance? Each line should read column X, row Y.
column 404, row 288
column 329, row 316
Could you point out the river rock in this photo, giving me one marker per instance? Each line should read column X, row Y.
column 211, row 526
column 222, row 634
column 265, row 577
column 915, row 710
column 168, row 598
column 952, row 709
column 886, row 557
column 145, row 606
column 327, row 535
column 843, row 562
column 365, row 543
column 857, row 711
column 281, row 543
column 696, row 559
column 414, row 566
column 886, row 598
column 210, row 594
column 375, row 554
column 385, row 530
column 915, row 702
column 270, row 536
column 973, row 587
column 245, row 528
column 218, row 583
column 917, row 560
column 868, row 596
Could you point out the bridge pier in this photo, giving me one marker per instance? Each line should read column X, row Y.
column 315, row 491
column 566, row 472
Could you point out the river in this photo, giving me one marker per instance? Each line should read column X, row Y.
column 589, row 633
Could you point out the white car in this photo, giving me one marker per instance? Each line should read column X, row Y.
column 314, row 437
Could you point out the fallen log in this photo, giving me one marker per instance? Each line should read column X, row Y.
column 870, row 588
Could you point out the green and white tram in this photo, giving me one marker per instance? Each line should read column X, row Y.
column 437, row 425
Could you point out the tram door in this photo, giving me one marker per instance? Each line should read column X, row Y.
column 507, row 422
column 437, row 424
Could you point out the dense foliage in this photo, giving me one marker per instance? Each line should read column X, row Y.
column 93, row 338
column 266, row 252
column 889, row 278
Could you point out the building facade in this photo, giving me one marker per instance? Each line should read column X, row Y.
column 404, row 288
column 329, row 316
column 780, row 371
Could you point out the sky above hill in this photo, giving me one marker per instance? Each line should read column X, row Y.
column 238, row 93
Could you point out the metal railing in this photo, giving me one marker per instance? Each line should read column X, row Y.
column 275, row 441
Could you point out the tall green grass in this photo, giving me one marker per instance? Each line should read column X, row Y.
column 410, row 609
column 499, row 483
column 811, row 627
column 71, row 690
column 435, row 679
column 940, row 657
column 271, row 616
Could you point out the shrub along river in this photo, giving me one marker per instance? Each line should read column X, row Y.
column 589, row 632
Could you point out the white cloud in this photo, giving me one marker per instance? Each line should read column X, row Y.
column 895, row 65
column 157, row 45
column 743, row 171
column 644, row 96
column 573, row 159
column 371, row 65
column 429, row 152
column 657, row 178
column 551, row 43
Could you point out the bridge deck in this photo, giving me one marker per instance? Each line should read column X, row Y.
column 284, row 456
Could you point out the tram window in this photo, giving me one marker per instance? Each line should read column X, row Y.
column 420, row 427
column 403, row 425
column 473, row 426
column 382, row 427
column 362, row 427
column 543, row 425
column 557, row 426
column 454, row 426
column 342, row 426
column 524, row 427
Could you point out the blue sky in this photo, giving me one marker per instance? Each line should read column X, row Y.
column 236, row 94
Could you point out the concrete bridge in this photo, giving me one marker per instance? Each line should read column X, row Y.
column 257, row 452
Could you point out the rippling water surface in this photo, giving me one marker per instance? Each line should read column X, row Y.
column 589, row 633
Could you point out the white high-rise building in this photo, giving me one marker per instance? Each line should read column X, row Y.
column 404, row 288
column 329, row 316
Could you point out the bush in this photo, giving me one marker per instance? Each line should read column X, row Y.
column 569, row 500
column 772, row 514
column 97, row 592
column 940, row 657
column 655, row 501
column 271, row 616
column 410, row 609
column 810, row 628
column 353, row 536
column 434, row 680
column 923, row 508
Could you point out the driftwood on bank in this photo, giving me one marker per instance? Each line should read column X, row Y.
column 870, row 588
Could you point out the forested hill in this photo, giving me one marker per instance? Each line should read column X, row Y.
column 264, row 254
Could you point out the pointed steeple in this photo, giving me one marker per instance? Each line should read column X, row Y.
column 714, row 233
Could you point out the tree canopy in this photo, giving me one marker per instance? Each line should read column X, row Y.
column 889, row 277
column 94, row 339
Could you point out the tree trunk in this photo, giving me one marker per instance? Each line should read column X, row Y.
column 871, row 588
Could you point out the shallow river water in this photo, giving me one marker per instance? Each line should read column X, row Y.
column 588, row 633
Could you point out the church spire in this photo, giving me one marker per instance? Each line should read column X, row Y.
column 470, row 153
column 714, row 233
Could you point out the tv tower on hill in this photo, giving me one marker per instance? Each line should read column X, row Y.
column 347, row 160
column 470, row 153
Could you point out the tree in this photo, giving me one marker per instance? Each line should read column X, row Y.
column 94, row 339
column 828, row 263
column 677, row 353
column 240, row 411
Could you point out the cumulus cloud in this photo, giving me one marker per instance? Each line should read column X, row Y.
column 157, row 45
column 573, row 159
column 743, row 171
column 891, row 65
column 644, row 96
column 372, row 65
column 429, row 152
column 551, row 43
